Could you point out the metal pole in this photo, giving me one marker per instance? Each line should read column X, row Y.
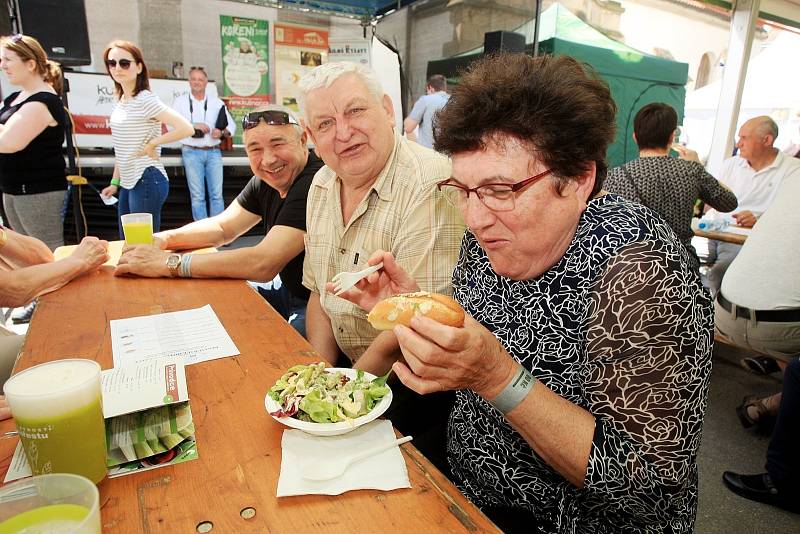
column 536, row 28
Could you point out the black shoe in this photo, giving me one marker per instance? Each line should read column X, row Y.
column 759, row 488
column 23, row 315
column 760, row 365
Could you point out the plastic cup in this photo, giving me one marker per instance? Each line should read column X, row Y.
column 57, row 407
column 60, row 503
column 138, row 228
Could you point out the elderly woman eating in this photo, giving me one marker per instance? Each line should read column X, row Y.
column 582, row 367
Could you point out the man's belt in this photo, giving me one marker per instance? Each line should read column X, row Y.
column 215, row 147
column 765, row 316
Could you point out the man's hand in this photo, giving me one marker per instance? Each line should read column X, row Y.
column 109, row 191
column 745, row 218
column 388, row 281
column 202, row 127
column 5, row 411
column 143, row 260
column 92, row 253
column 216, row 133
column 440, row 358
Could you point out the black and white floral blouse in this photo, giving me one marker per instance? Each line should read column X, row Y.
column 620, row 326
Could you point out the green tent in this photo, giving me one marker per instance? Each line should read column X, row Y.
column 635, row 78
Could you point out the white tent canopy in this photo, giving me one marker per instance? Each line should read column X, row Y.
column 769, row 83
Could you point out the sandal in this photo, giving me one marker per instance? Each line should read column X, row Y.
column 763, row 418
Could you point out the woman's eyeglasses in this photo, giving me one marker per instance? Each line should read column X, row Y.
column 496, row 197
column 124, row 64
column 276, row 118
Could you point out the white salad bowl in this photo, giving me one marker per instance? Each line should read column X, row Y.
column 332, row 429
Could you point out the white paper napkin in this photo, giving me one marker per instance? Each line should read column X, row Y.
column 383, row 471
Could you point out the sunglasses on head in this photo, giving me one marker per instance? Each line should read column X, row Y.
column 17, row 39
column 123, row 63
column 275, row 118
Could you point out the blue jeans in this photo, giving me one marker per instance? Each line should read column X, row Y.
column 204, row 171
column 147, row 196
column 289, row 307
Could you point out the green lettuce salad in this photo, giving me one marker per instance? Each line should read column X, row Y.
column 310, row 393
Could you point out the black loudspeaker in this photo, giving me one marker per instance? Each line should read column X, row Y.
column 503, row 41
column 60, row 26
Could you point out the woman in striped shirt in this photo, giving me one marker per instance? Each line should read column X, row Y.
column 139, row 175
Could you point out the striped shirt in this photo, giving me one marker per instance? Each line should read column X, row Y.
column 133, row 124
column 402, row 213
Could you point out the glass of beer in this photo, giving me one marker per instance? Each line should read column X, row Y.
column 50, row 503
column 138, row 228
column 58, row 409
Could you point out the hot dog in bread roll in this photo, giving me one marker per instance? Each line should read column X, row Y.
column 399, row 309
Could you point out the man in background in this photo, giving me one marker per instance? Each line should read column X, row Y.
column 202, row 158
column 754, row 176
column 424, row 111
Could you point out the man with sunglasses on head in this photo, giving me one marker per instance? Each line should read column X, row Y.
column 202, row 157
column 276, row 196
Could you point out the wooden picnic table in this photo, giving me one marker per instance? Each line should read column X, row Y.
column 728, row 237
column 239, row 444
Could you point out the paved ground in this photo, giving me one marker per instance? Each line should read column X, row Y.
column 728, row 446
column 725, row 446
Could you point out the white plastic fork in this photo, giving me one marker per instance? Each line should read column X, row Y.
column 344, row 281
column 335, row 467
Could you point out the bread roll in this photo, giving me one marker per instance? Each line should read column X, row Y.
column 399, row 309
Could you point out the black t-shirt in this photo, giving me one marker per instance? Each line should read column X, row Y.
column 262, row 200
column 39, row 167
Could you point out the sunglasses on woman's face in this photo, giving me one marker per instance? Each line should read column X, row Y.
column 124, row 64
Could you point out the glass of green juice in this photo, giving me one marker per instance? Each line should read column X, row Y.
column 138, row 228
column 57, row 407
column 60, row 502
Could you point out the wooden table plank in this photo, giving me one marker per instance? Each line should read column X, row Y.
column 238, row 442
column 728, row 237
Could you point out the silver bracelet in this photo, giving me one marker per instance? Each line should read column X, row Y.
column 186, row 270
column 514, row 392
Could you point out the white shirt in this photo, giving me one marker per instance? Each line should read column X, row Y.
column 133, row 124
column 756, row 190
column 206, row 111
column 766, row 273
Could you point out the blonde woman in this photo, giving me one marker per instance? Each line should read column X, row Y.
column 139, row 177
column 32, row 169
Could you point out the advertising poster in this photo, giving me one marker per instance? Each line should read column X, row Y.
column 92, row 100
column 354, row 50
column 245, row 65
column 297, row 50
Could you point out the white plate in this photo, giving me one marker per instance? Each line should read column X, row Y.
column 332, row 429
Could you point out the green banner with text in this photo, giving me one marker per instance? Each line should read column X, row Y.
column 245, row 65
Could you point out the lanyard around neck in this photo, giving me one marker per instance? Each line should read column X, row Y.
column 191, row 108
